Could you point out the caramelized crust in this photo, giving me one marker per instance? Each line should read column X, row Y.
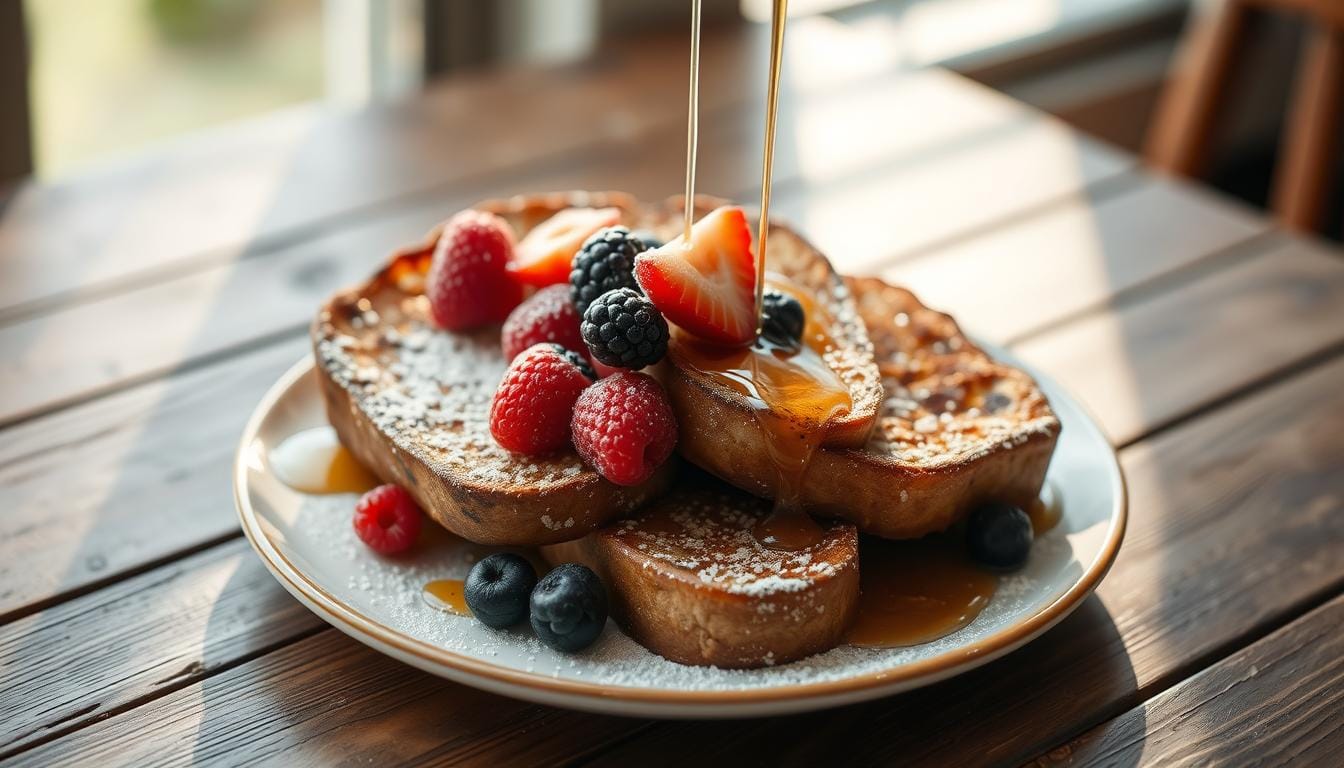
column 689, row 581
column 956, row 429
column 412, row 403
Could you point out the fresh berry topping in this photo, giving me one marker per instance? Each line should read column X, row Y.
column 782, row 319
column 709, row 286
column 387, row 519
column 649, row 239
column 468, row 284
column 624, row 330
column 498, row 589
column 623, row 426
column 605, row 262
column 533, row 405
column 545, row 254
column 999, row 536
column 548, row 316
column 569, row 608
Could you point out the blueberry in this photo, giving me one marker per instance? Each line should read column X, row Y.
column 569, row 608
column 782, row 319
column 999, row 535
column 497, row 589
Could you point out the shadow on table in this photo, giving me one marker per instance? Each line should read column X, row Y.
column 1007, row 712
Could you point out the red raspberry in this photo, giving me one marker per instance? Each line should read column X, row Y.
column 533, row 405
column 387, row 519
column 548, row 316
column 468, row 284
column 623, row 426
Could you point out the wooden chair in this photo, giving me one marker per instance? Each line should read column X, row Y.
column 1188, row 112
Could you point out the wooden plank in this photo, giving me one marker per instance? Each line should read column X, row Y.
column 139, row 639
column 1201, row 569
column 259, row 185
column 125, row 481
column 325, row 700
column 1135, row 365
column 1020, row 277
column 1237, row 521
column 863, row 222
column 252, row 186
column 109, row 455
column 1276, row 702
column 60, row 358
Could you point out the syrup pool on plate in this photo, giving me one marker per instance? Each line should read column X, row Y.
column 447, row 595
column 314, row 461
column 914, row 592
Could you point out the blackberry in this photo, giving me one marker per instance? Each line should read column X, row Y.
column 605, row 261
column 624, row 330
column 782, row 319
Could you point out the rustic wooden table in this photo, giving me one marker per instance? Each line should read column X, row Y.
column 145, row 307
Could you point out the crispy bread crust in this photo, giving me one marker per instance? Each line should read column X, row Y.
column 682, row 575
column 706, row 407
column 957, row 430
column 453, row 468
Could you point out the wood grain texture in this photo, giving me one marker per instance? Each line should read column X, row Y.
column 249, row 188
column 1144, row 363
column 93, row 347
column 1016, row 278
column 1237, row 522
column 1274, row 703
column 125, row 481
column 93, row 468
column 1182, row 592
column 329, row 700
column 265, row 184
column 137, row 639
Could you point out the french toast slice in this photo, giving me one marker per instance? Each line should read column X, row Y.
column 720, row 428
column 689, row 581
column 412, row 403
column 957, row 429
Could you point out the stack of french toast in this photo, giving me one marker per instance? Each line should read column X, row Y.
column 640, row 414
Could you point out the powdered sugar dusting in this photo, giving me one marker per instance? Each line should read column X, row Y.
column 430, row 390
column 390, row 592
column 945, row 400
column 707, row 536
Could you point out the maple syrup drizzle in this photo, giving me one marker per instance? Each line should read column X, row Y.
column 447, row 595
column 778, row 16
column 793, row 394
column 692, row 124
column 314, row 461
column 1045, row 512
column 914, row 592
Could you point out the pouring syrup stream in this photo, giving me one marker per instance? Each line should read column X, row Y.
column 777, row 18
column 693, row 124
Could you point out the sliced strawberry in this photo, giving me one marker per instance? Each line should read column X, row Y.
column 543, row 257
column 708, row 288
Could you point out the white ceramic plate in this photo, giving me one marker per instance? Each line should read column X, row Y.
column 308, row 543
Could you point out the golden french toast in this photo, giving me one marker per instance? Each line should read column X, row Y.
column 902, row 424
column 690, row 582
column 957, row 429
column 717, row 422
column 411, row 402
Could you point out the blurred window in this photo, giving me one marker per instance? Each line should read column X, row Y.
column 113, row 75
